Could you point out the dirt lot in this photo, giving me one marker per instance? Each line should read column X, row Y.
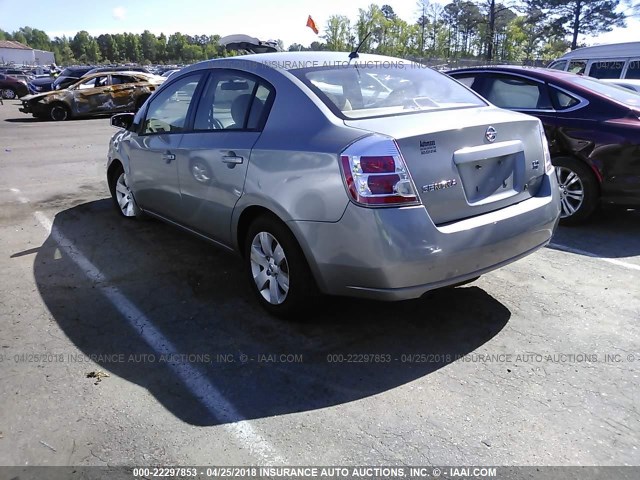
column 534, row 364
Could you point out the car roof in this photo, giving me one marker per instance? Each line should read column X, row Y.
column 546, row 73
column 296, row 60
column 80, row 67
column 612, row 50
column 116, row 68
column 119, row 72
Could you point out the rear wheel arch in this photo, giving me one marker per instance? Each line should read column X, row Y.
column 286, row 286
column 247, row 216
column 251, row 213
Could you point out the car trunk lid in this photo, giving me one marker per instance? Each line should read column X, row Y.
column 466, row 162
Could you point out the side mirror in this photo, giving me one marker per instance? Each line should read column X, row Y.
column 122, row 120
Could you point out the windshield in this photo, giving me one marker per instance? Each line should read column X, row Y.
column 614, row 92
column 70, row 72
column 385, row 88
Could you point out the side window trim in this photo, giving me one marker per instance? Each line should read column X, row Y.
column 188, row 123
column 197, row 96
column 582, row 102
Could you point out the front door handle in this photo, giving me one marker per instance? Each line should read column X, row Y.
column 232, row 160
column 168, row 157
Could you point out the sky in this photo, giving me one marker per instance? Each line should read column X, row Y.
column 282, row 19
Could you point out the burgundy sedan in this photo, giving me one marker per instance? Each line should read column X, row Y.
column 12, row 88
column 593, row 130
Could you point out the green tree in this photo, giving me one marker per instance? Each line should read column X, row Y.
column 132, row 48
column 423, row 21
column 79, row 44
column 19, row 37
column 62, row 51
column 337, row 33
column 108, row 48
column 469, row 20
column 586, row 17
column 149, row 46
column 175, row 46
column 317, row 46
column 85, row 48
column 35, row 38
column 161, row 48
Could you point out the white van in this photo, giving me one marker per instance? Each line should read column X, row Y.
column 617, row 60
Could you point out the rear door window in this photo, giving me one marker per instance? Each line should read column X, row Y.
column 577, row 66
column 562, row 100
column 558, row 65
column 232, row 101
column 633, row 69
column 517, row 93
column 95, row 82
column 120, row 79
column 606, row 68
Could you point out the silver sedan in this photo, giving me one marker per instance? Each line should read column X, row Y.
column 372, row 176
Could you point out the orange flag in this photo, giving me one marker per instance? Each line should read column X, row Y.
column 312, row 25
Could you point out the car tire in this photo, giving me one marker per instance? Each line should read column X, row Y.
column 579, row 190
column 58, row 112
column 278, row 271
column 122, row 196
column 9, row 94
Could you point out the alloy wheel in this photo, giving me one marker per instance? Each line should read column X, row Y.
column 124, row 196
column 9, row 94
column 269, row 268
column 571, row 191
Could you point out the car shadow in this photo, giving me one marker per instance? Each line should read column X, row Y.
column 31, row 119
column 22, row 120
column 198, row 298
column 612, row 232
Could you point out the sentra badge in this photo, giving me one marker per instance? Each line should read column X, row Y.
column 432, row 187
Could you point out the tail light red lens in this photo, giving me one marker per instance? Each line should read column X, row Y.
column 377, row 164
column 381, row 184
column 376, row 174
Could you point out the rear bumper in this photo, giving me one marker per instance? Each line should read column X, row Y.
column 398, row 253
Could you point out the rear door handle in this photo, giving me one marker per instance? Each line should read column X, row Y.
column 168, row 157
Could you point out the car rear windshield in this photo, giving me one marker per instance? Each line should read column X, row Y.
column 619, row 94
column 378, row 89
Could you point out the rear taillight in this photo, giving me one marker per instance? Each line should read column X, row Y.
column 548, row 167
column 375, row 173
